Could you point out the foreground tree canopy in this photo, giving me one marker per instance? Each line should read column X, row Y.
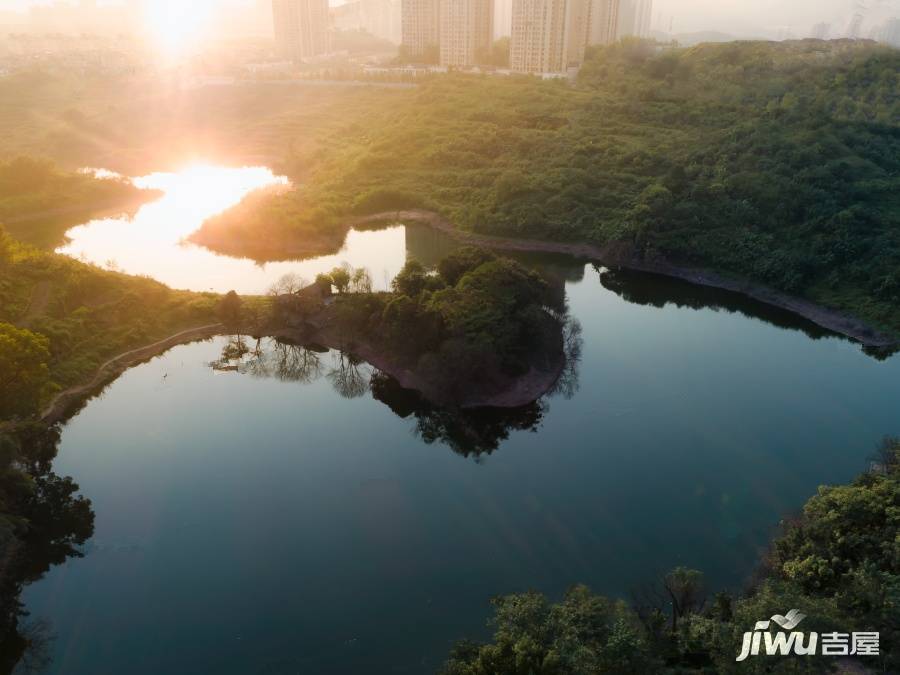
column 24, row 373
column 838, row 562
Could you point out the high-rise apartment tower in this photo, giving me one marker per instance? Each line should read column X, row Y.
column 466, row 31
column 604, row 22
column 301, row 28
column 634, row 18
column 539, row 40
column 419, row 29
column 549, row 36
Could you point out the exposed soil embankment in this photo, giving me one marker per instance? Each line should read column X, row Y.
column 619, row 254
column 67, row 402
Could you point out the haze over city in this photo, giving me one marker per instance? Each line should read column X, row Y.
column 770, row 19
column 449, row 337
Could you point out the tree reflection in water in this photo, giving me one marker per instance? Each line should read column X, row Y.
column 468, row 432
column 567, row 385
column 644, row 288
column 349, row 376
column 279, row 359
column 51, row 523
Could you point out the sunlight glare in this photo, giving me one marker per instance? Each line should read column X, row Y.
column 198, row 192
column 175, row 26
column 154, row 241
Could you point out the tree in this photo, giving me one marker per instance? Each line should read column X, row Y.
column 886, row 457
column 842, row 529
column 349, row 376
column 361, row 281
column 324, row 281
column 24, row 373
column 461, row 261
column 584, row 633
column 288, row 284
column 230, row 309
column 340, row 277
column 685, row 590
column 411, row 280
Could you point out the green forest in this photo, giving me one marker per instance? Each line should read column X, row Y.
column 60, row 319
column 775, row 162
column 39, row 202
column 468, row 328
column 838, row 561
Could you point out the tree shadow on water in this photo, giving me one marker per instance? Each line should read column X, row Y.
column 468, row 432
column 472, row 432
column 45, row 523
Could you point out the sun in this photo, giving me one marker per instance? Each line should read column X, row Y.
column 176, row 26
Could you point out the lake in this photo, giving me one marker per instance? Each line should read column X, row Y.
column 154, row 241
column 288, row 517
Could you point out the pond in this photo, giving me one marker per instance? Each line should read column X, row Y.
column 297, row 514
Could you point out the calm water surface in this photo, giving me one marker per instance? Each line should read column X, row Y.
column 282, row 519
column 153, row 242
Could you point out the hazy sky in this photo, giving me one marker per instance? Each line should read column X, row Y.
column 741, row 17
column 745, row 16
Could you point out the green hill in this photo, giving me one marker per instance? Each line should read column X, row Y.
column 777, row 162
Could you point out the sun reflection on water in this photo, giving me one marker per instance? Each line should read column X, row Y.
column 153, row 241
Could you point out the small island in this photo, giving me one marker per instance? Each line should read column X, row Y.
column 480, row 331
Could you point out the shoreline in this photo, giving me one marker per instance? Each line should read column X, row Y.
column 522, row 390
column 619, row 254
column 525, row 389
column 67, row 402
column 107, row 208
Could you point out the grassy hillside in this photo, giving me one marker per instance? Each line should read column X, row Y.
column 39, row 203
column 60, row 318
column 778, row 162
column 83, row 314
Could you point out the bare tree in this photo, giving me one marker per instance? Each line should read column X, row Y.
column 294, row 363
column 233, row 353
column 350, row 376
column 567, row 385
column 685, row 590
column 288, row 284
column 886, row 455
column 287, row 362
column 361, row 281
column 650, row 603
column 38, row 637
column 676, row 595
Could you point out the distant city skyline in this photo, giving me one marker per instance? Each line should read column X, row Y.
column 746, row 18
column 740, row 18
